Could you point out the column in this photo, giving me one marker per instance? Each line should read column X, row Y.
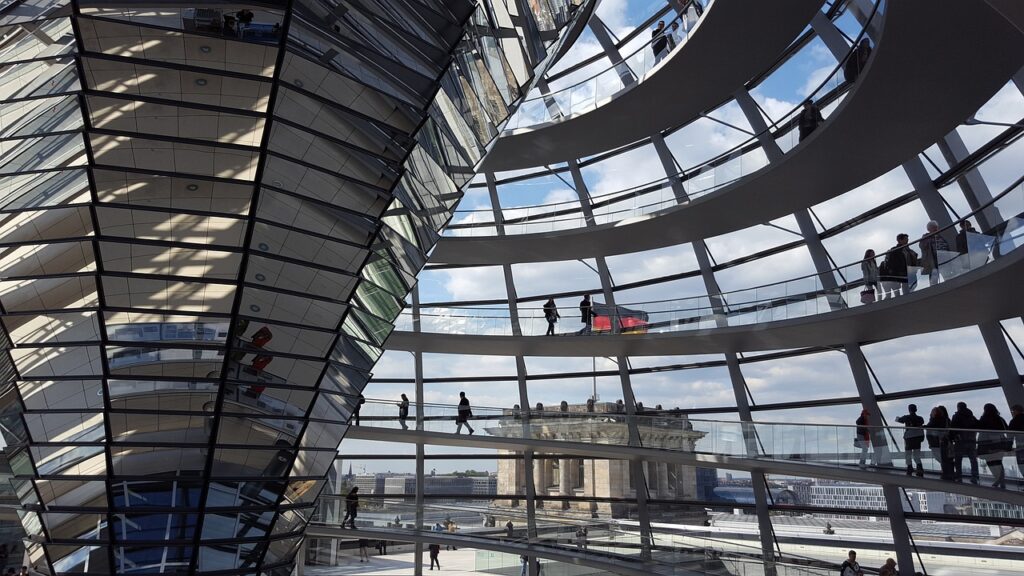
column 565, row 480
column 539, row 480
column 664, row 490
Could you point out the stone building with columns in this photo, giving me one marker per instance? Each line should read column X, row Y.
column 581, row 481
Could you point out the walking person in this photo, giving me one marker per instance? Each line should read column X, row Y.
column 351, row 507
column 659, row 43
column 992, row 443
column 913, row 435
column 938, row 440
column 931, row 243
column 1016, row 428
column 586, row 314
column 850, row 566
column 809, row 120
column 965, row 441
column 551, row 315
column 863, row 439
column 364, row 555
column 525, row 562
column 464, row 414
column 869, row 270
column 435, row 550
column 403, row 412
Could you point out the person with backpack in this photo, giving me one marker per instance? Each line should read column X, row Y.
column 913, row 435
column 993, row 443
column 551, row 315
column 897, row 263
column 850, row 566
column 965, row 444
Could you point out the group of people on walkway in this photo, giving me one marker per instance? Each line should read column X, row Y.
column 952, row 439
column 587, row 315
column 898, row 272
column 664, row 39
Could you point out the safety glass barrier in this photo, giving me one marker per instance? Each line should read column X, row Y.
column 933, row 258
column 616, row 540
column 926, row 450
column 586, row 94
column 703, row 178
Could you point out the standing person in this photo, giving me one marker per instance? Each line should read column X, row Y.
column 965, row 442
column 992, row 442
column 509, row 529
column 364, row 555
column 863, row 439
column 673, row 36
column 435, row 549
column 898, row 261
column 1016, row 428
column 403, row 412
column 551, row 315
column 351, row 507
column 586, row 533
column 524, row 560
column 931, row 243
column 913, row 434
column 888, row 569
column 382, row 547
column 810, row 118
column 359, row 405
column 857, row 60
column 659, row 44
column 850, row 566
column 869, row 270
column 464, row 414
column 586, row 314
column 938, row 440
column 961, row 237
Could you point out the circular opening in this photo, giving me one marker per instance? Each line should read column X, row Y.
column 205, row 49
column 200, row 81
column 254, row 308
column 192, row 187
column 298, row 83
column 260, row 277
column 263, row 246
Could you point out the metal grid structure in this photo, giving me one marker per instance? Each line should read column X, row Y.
column 212, row 214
